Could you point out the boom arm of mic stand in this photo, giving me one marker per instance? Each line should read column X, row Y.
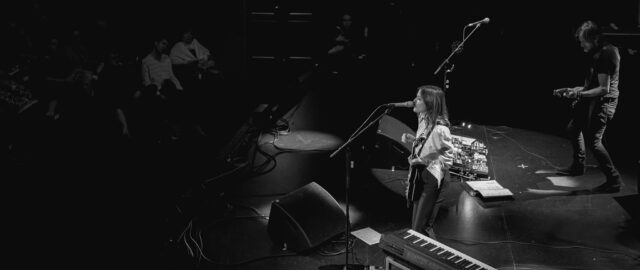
column 354, row 136
column 365, row 121
column 454, row 51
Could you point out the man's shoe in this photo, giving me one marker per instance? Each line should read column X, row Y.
column 571, row 171
column 607, row 187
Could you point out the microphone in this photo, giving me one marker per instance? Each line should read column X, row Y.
column 485, row 20
column 408, row 104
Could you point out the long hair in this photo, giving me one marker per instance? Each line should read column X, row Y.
column 434, row 99
column 590, row 31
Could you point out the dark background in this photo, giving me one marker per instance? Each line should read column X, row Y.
column 504, row 76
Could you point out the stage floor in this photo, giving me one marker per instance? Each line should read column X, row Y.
column 543, row 226
column 551, row 222
column 176, row 205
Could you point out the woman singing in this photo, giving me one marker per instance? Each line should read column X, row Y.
column 431, row 157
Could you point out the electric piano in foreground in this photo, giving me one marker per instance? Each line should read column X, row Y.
column 426, row 253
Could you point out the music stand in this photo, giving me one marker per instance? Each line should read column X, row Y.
column 349, row 166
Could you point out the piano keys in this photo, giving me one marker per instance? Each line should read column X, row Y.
column 427, row 253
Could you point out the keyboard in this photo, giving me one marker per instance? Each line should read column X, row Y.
column 427, row 253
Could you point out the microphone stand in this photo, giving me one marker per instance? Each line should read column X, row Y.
column 349, row 166
column 445, row 81
column 456, row 50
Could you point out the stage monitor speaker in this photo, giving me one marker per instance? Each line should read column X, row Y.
column 305, row 218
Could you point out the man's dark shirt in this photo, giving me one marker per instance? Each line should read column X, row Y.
column 606, row 61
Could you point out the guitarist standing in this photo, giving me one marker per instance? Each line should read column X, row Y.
column 595, row 105
column 430, row 159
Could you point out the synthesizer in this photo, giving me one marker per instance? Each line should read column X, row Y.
column 427, row 253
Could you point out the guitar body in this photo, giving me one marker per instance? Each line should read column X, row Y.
column 414, row 186
column 563, row 92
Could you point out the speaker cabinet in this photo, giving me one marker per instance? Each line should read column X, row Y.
column 305, row 218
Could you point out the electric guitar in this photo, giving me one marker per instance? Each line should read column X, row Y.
column 574, row 101
column 414, row 173
column 564, row 92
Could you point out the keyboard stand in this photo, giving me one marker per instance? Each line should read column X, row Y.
column 391, row 264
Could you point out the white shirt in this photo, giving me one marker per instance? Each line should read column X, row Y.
column 180, row 53
column 438, row 149
column 155, row 72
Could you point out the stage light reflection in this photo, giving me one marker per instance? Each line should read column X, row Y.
column 355, row 215
column 471, row 214
column 308, row 140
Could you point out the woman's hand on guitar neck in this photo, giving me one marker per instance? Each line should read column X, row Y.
column 407, row 138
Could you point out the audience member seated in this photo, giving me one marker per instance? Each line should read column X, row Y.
column 192, row 61
column 160, row 94
column 113, row 89
column 54, row 75
column 197, row 70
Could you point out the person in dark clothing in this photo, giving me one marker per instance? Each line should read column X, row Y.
column 595, row 104
column 113, row 89
column 348, row 43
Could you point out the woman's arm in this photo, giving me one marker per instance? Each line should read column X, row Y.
column 439, row 146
